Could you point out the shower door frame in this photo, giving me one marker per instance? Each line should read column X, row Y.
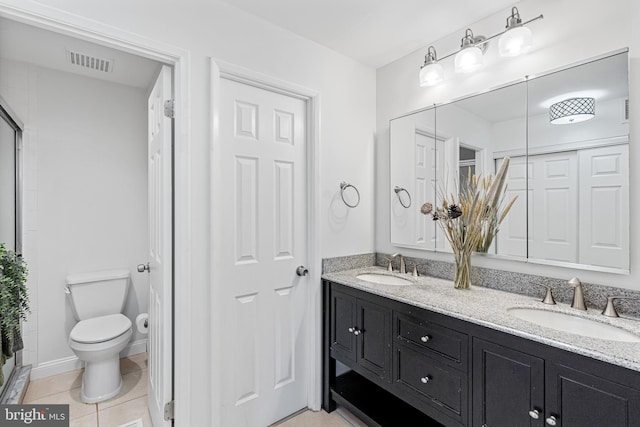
column 12, row 119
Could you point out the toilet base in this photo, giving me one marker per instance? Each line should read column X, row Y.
column 101, row 380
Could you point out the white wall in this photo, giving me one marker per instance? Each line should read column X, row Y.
column 571, row 31
column 85, row 209
column 347, row 130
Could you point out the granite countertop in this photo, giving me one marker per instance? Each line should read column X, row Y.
column 488, row 307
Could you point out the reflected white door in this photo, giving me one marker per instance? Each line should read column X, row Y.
column 160, row 253
column 263, row 206
column 553, row 229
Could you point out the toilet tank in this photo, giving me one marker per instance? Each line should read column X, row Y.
column 98, row 293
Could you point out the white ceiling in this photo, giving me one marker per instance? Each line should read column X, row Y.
column 373, row 32
column 26, row 43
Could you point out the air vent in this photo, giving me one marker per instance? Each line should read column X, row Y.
column 91, row 62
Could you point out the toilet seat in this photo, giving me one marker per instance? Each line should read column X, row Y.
column 100, row 329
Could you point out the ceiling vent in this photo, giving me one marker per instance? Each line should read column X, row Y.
column 91, row 62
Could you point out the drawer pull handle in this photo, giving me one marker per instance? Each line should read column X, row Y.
column 425, row 379
column 425, row 338
column 552, row 421
column 535, row 414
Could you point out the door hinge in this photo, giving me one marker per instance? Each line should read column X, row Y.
column 170, row 108
column 168, row 410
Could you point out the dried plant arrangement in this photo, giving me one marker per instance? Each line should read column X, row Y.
column 471, row 221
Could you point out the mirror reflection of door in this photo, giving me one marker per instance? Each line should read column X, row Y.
column 570, row 177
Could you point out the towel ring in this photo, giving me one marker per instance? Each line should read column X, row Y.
column 344, row 186
column 399, row 190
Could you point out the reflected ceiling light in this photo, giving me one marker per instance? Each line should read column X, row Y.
column 572, row 110
column 431, row 72
column 469, row 58
column 517, row 39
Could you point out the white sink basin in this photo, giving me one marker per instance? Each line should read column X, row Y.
column 573, row 324
column 384, row 279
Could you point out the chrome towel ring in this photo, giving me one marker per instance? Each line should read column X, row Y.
column 399, row 190
column 343, row 187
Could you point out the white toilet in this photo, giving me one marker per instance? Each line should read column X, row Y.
column 102, row 331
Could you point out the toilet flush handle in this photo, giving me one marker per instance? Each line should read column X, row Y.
column 143, row 267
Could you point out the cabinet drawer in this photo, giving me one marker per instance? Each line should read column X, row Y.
column 441, row 341
column 431, row 381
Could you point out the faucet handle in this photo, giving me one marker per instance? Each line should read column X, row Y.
column 610, row 309
column 548, row 297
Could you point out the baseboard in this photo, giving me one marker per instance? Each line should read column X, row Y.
column 67, row 364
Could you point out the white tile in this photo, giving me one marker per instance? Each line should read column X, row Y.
column 53, row 385
column 77, row 408
column 134, row 386
column 125, row 412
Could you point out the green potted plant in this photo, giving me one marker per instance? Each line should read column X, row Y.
column 14, row 302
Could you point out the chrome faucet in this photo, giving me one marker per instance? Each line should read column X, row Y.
column 403, row 266
column 578, row 296
column 610, row 309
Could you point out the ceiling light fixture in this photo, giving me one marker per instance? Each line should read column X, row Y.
column 514, row 40
column 431, row 72
column 572, row 110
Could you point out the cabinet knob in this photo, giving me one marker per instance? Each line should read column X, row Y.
column 351, row 329
column 425, row 379
column 552, row 421
column 425, row 338
column 357, row 331
column 535, row 414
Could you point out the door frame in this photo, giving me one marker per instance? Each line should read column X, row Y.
column 81, row 28
column 223, row 70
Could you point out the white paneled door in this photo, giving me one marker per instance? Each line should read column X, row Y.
column 263, row 141
column 160, row 252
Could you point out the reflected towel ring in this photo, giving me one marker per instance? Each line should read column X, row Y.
column 399, row 190
column 344, row 186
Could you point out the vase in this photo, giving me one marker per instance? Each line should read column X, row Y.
column 463, row 270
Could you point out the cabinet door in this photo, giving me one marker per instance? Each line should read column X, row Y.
column 374, row 338
column 579, row 399
column 343, row 325
column 507, row 385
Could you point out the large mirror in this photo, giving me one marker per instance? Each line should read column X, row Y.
column 567, row 135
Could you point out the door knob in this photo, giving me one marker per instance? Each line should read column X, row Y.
column 302, row 270
column 143, row 267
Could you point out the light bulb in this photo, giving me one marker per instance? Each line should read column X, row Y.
column 515, row 41
column 431, row 74
column 468, row 60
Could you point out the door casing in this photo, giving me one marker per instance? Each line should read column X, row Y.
column 91, row 31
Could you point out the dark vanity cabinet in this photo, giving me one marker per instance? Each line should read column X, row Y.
column 508, row 386
column 361, row 336
column 413, row 367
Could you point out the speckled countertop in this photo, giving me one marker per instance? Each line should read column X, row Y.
column 488, row 307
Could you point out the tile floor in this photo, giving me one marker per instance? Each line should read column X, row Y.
column 338, row 418
column 131, row 404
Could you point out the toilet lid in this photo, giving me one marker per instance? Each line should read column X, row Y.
column 100, row 329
